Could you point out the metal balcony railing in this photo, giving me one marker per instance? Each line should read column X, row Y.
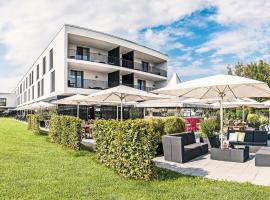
column 101, row 85
column 101, row 58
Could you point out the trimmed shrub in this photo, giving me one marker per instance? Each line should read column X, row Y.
column 253, row 119
column 33, row 123
column 66, row 130
column 208, row 127
column 127, row 146
column 173, row 125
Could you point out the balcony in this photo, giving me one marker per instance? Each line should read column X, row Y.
column 101, row 58
column 101, row 85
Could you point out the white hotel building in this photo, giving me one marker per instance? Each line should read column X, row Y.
column 83, row 61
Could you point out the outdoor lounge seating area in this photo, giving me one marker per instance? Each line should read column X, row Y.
column 182, row 147
column 254, row 139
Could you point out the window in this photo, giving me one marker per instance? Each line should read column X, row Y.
column 29, row 94
column 29, row 79
column 141, row 84
column 53, row 81
column 51, row 58
column 145, row 66
column 38, row 89
column 75, row 79
column 33, row 92
column 3, row 101
column 21, row 89
column 26, row 82
column 37, row 72
column 82, row 53
column 44, row 65
column 42, row 87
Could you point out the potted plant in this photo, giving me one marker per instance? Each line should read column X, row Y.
column 208, row 129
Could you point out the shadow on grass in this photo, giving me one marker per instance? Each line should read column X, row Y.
column 43, row 133
column 165, row 174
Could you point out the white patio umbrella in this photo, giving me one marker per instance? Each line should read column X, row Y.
column 172, row 101
column 40, row 105
column 72, row 100
column 121, row 94
column 222, row 86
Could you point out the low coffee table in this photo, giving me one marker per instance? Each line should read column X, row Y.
column 231, row 154
column 262, row 157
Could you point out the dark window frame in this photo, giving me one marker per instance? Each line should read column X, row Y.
column 51, row 59
column 52, row 81
column 3, row 102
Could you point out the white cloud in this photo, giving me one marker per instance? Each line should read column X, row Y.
column 26, row 27
column 247, row 28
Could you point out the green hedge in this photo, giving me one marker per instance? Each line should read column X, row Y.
column 173, row 125
column 129, row 146
column 33, row 123
column 66, row 130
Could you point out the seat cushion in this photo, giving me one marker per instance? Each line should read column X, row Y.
column 192, row 151
column 191, row 138
column 241, row 136
column 233, row 137
column 260, row 136
column 249, row 136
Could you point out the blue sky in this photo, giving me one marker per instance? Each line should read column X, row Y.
column 201, row 37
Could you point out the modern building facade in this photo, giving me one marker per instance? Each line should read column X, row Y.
column 84, row 61
column 7, row 101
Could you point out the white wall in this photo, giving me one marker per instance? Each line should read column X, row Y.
column 11, row 99
column 59, row 65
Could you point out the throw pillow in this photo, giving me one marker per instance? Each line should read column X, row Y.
column 241, row 136
column 233, row 137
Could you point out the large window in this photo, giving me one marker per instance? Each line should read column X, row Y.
column 145, row 66
column 38, row 89
column 44, row 65
column 42, row 87
column 83, row 53
column 37, row 72
column 141, row 84
column 51, row 58
column 3, row 101
column 53, row 81
column 33, row 92
column 75, row 79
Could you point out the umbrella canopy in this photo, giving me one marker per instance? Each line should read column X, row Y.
column 121, row 94
column 40, row 105
column 173, row 101
column 227, row 86
column 72, row 100
column 222, row 86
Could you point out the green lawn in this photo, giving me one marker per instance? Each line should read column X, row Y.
column 33, row 168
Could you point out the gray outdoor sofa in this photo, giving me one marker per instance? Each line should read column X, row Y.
column 182, row 147
column 254, row 139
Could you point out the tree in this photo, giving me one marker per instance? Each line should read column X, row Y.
column 258, row 71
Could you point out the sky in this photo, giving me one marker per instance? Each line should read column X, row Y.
column 201, row 37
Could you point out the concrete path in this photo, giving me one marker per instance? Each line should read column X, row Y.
column 220, row 170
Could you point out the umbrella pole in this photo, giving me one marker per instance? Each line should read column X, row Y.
column 243, row 113
column 221, row 121
column 117, row 112
column 121, row 109
column 269, row 115
column 78, row 110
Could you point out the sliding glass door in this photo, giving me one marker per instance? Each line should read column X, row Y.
column 75, row 79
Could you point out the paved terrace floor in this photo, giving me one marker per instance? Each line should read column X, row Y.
column 220, row 170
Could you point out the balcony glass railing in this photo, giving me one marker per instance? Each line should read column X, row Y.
column 100, row 85
column 101, row 58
